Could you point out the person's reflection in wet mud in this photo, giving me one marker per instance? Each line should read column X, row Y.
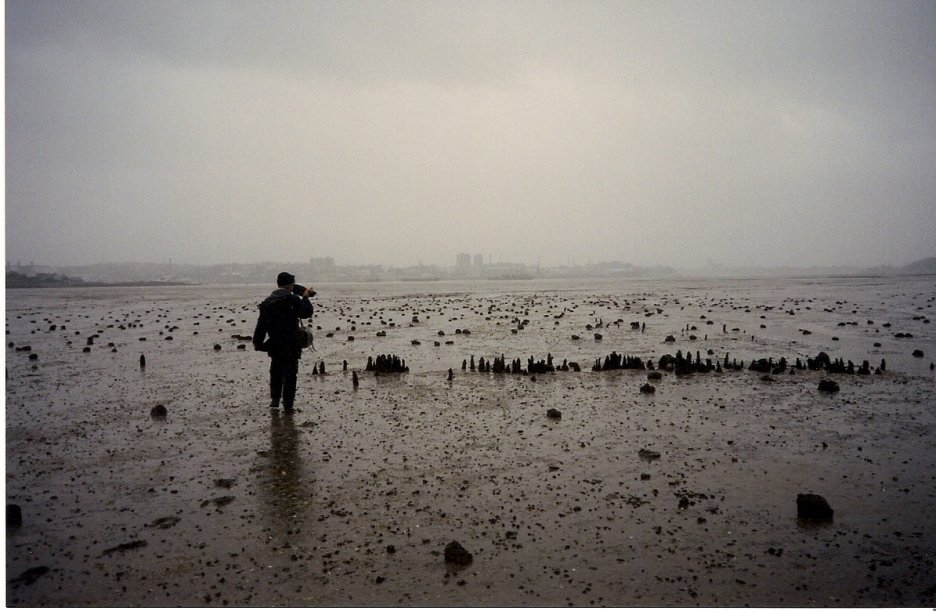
column 286, row 493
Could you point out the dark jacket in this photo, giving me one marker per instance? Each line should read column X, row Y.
column 276, row 330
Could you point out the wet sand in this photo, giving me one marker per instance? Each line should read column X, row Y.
column 352, row 500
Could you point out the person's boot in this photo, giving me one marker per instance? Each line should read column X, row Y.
column 289, row 396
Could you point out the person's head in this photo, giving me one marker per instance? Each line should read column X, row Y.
column 285, row 280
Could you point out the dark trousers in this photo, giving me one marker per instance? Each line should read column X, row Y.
column 283, row 372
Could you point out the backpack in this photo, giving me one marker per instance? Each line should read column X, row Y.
column 304, row 336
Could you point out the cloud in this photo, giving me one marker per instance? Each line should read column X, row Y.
column 405, row 131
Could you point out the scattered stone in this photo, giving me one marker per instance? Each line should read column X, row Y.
column 164, row 523
column 553, row 413
column 918, row 354
column 221, row 501
column 14, row 516
column 813, row 508
column 125, row 547
column 29, row 576
column 159, row 412
column 647, row 389
column 648, row 455
column 828, row 386
column 456, row 554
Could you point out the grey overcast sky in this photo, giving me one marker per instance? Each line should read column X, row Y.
column 397, row 132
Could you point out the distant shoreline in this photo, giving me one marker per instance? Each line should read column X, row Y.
column 85, row 285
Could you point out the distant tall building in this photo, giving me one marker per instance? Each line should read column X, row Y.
column 463, row 262
column 478, row 262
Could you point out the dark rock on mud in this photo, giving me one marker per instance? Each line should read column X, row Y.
column 813, row 508
column 159, row 412
column 167, row 522
column 14, row 516
column 29, row 576
column 553, row 413
column 828, row 386
column 221, row 501
column 125, row 547
column 456, row 554
column 648, row 455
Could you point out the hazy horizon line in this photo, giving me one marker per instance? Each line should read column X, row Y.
column 708, row 264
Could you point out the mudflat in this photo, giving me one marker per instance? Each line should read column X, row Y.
column 560, row 487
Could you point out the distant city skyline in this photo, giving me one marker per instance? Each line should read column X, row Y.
column 325, row 269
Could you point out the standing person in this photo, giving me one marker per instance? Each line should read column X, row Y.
column 276, row 334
